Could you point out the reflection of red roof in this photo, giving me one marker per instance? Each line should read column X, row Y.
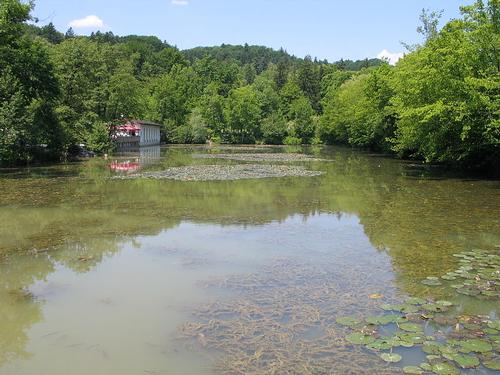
column 125, row 166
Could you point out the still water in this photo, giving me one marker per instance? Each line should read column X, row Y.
column 108, row 276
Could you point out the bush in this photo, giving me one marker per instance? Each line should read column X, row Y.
column 292, row 141
column 273, row 130
column 98, row 139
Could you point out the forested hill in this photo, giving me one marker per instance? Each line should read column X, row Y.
column 260, row 57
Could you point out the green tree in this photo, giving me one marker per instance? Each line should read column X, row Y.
column 302, row 126
column 211, row 106
column 274, row 129
column 125, row 93
column 173, row 97
column 242, row 116
column 28, row 89
column 309, row 81
column 446, row 92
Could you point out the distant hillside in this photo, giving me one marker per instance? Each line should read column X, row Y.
column 258, row 56
column 261, row 57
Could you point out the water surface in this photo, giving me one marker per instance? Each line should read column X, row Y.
column 103, row 276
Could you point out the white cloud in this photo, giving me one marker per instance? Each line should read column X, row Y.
column 391, row 57
column 180, row 2
column 87, row 22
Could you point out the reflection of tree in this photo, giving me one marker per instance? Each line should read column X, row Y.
column 83, row 256
column 18, row 310
column 405, row 215
column 425, row 222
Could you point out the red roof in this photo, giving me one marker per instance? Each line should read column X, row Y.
column 129, row 127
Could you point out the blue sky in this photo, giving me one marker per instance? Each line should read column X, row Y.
column 321, row 28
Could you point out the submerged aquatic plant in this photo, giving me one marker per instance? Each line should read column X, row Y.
column 291, row 318
column 295, row 318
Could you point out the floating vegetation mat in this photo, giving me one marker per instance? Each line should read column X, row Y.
column 294, row 318
column 225, row 172
column 271, row 157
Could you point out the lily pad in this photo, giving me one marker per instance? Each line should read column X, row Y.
column 408, row 309
column 383, row 319
column 359, row 339
column 348, row 321
column 468, row 292
column 416, row 301
column 449, row 277
column 406, row 344
column 426, row 366
column 494, row 325
column 431, row 281
column 447, row 349
column 492, row 365
column 475, row 345
column 433, row 358
column 391, row 357
column 434, row 307
column 380, row 344
column 411, row 337
column 431, row 348
column 411, row 327
column 444, row 369
column 465, row 361
column 413, row 370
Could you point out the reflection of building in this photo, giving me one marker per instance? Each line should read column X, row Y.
column 135, row 134
column 147, row 156
column 125, row 166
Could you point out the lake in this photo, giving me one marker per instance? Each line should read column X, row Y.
column 105, row 275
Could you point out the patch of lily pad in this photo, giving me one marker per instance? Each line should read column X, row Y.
column 458, row 342
column 478, row 275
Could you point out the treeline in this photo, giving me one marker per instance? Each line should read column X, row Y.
column 440, row 103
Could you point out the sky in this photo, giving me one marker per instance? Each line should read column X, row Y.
column 326, row 29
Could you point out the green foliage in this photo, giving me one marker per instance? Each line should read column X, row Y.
column 211, row 106
column 98, row 139
column 173, row 96
column 274, row 130
column 195, row 131
column 28, row 90
column 309, row 81
column 125, row 95
column 301, row 113
column 243, row 116
column 292, row 141
column 446, row 92
column 440, row 103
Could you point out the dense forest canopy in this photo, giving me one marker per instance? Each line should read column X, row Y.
column 440, row 103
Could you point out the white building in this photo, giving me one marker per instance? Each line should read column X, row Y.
column 136, row 133
column 149, row 133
